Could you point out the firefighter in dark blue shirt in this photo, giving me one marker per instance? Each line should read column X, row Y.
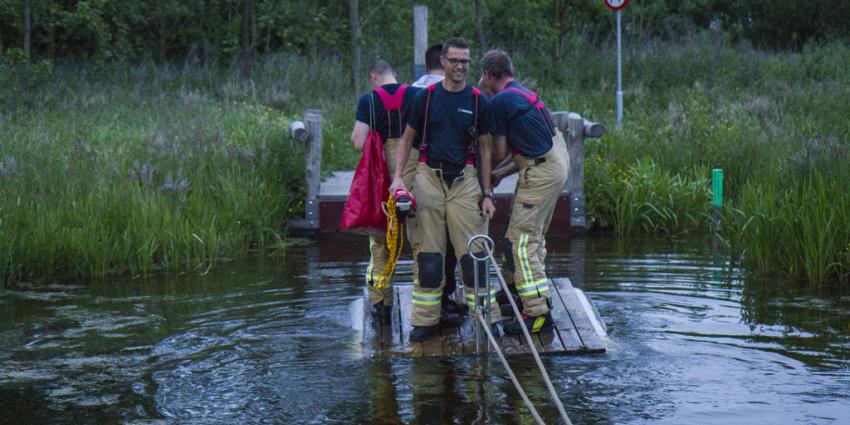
column 372, row 113
column 452, row 118
column 523, row 124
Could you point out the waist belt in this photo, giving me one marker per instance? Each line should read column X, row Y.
column 445, row 167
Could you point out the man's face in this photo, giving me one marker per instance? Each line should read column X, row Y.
column 456, row 64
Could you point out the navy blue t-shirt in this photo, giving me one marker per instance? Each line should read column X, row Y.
column 450, row 116
column 393, row 127
column 530, row 133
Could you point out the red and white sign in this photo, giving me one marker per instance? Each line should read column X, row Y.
column 616, row 4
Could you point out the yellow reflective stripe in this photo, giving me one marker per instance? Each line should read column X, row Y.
column 426, row 298
column 533, row 292
column 538, row 287
column 533, row 284
column 523, row 258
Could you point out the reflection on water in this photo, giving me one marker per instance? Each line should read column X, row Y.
column 267, row 341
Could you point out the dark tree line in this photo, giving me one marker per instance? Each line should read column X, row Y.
column 207, row 31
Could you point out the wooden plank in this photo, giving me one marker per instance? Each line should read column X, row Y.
column 404, row 299
column 570, row 339
column 588, row 338
column 574, row 332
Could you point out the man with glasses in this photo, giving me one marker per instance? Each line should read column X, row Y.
column 453, row 120
column 540, row 155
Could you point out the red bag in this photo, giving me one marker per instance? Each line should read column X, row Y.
column 369, row 187
column 371, row 183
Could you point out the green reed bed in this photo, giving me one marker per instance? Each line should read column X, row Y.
column 130, row 170
column 177, row 166
column 778, row 124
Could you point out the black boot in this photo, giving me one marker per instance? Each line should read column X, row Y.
column 534, row 324
column 449, row 320
column 423, row 333
column 450, row 306
column 382, row 313
column 505, row 304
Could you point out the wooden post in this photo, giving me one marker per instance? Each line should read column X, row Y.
column 420, row 39
column 313, row 122
column 575, row 129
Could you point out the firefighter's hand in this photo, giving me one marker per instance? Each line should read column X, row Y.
column 396, row 184
column 488, row 209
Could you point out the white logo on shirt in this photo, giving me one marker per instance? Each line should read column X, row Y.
column 465, row 111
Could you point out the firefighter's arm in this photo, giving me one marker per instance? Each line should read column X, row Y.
column 402, row 153
column 359, row 134
column 507, row 166
column 487, row 207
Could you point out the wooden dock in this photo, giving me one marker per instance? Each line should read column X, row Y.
column 326, row 198
column 577, row 329
column 333, row 192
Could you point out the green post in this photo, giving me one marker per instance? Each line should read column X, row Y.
column 717, row 186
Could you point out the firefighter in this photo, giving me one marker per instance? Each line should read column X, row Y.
column 540, row 156
column 372, row 113
column 434, row 73
column 453, row 120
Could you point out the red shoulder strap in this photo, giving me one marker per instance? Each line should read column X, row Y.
column 393, row 101
column 531, row 98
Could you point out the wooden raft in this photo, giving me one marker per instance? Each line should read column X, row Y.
column 577, row 331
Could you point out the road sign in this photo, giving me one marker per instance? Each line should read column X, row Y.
column 616, row 4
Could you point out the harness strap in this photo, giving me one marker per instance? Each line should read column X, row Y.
column 423, row 147
column 392, row 102
column 534, row 103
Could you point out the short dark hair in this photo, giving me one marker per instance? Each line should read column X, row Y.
column 497, row 63
column 456, row 42
column 381, row 67
column 432, row 57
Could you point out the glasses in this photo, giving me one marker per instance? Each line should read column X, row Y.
column 456, row 61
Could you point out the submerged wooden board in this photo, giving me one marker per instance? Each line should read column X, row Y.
column 574, row 333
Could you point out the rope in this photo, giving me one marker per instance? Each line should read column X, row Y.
column 395, row 241
column 531, row 345
column 518, row 387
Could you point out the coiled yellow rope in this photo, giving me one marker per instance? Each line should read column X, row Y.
column 395, row 241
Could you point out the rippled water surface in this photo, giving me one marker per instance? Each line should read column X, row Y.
column 267, row 341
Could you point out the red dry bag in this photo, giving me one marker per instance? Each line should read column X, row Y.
column 369, row 187
column 371, row 183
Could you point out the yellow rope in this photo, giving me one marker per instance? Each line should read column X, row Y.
column 395, row 241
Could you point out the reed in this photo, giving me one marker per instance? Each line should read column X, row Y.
column 122, row 168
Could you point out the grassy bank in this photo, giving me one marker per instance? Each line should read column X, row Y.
column 129, row 170
column 136, row 168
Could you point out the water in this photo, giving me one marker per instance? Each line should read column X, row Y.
column 266, row 341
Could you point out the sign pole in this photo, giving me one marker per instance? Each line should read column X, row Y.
column 616, row 5
column 619, row 73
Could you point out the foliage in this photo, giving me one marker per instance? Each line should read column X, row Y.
column 154, row 168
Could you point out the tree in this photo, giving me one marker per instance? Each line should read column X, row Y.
column 27, row 30
column 356, row 53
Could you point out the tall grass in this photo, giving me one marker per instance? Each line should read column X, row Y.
column 136, row 169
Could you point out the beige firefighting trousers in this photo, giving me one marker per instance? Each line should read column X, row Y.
column 441, row 209
column 538, row 189
column 380, row 289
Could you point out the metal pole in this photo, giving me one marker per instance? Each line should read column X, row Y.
column 619, row 73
